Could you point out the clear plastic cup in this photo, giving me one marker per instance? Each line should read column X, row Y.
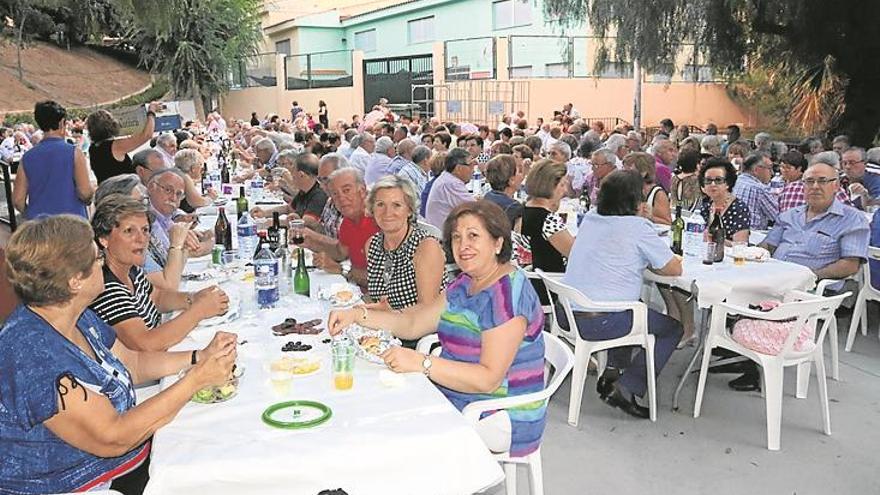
column 280, row 381
column 342, row 353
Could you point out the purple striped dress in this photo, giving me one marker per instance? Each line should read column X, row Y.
column 460, row 330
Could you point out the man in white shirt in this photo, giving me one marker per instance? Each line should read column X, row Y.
column 361, row 156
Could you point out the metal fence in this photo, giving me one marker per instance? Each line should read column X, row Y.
column 470, row 58
column 254, row 72
column 332, row 69
column 477, row 102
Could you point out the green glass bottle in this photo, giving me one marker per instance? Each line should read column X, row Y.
column 677, row 231
column 241, row 204
column 301, row 275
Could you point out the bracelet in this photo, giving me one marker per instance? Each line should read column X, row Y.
column 189, row 299
column 192, row 359
column 175, row 247
column 151, row 114
column 364, row 316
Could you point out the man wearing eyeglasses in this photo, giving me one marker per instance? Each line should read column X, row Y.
column 166, row 190
column 752, row 188
column 824, row 235
column 864, row 179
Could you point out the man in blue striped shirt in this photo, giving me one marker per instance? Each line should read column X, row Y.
column 751, row 187
column 824, row 235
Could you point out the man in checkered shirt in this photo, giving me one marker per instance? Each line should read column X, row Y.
column 793, row 165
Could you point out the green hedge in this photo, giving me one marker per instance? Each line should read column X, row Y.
column 156, row 91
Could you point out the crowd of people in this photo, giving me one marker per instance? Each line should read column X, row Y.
column 399, row 207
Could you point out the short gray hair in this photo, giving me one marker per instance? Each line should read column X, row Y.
column 614, row 142
column 185, row 160
column 863, row 156
column 118, row 184
column 607, row 154
column 142, row 157
column 287, row 154
column 762, row 138
column 383, row 144
column 395, row 182
column 350, row 134
column 827, row 157
column 112, row 210
column 358, row 175
column 159, row 173
column 562, row 147
column 165, row 139
column 337, row 159
column 265, row 144
column 366, row 136
column 421, row 153
column 873, row 155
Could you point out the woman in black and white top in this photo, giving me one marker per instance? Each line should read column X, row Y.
column 129, row 302
column 549, row 239
column 405, row 264
column 656, row 199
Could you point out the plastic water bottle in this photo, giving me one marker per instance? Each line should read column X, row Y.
column 693, row 235
column 266, row 279
column 247, row 236
column 476, row 182
column 257, row 185
column 776, row 185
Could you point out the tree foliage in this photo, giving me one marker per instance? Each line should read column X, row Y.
column 193, row 43
column 829, row 50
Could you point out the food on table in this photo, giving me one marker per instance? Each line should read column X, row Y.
column 343, row 296
column 297, row 346
column 291, row 325
column 296, row 365
column 371, row 344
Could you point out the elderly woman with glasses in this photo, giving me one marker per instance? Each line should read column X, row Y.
column 68, row 415
column 717, row 178
column 129, row 302
column 191, row 162
column 399, row 247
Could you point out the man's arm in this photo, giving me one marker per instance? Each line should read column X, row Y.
column 842, row 268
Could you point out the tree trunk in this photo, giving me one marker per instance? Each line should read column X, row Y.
column 20, row 44
column 861, row 117
column 198, row 102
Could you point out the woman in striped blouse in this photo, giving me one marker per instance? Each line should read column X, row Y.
column 489, row 323
column 129, row 302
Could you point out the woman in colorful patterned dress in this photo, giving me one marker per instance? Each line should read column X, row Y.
column 489, row 323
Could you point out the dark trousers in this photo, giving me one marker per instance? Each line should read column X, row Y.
column 606, row 326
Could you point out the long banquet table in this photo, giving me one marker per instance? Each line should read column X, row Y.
column 384, row 440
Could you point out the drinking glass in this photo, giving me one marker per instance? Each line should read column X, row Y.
column 248, row 300
column 280, row 381
column 342, row 352
column 739, row 253
column 296, row 231
column 709, row 255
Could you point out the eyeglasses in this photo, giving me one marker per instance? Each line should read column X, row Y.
column 171, row 191
column 323, row 180
column 715, row 180
column 847, row 163
column 820, row 181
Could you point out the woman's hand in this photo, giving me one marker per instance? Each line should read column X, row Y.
column 210, row 301
column 219, row 345
column 340, row 319
column 211, row 193
column 215, row 369
column 381, row 305
column 177, row 234
column 402, row 360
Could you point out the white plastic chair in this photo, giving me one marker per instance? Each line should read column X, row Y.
column 867, row 292
column 583, row 349
column 431, row 229
column 560, row 359
column 547, row 308
column 821, row 286
column 803, row 308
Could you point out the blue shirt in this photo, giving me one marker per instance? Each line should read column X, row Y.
column 763, row 206
column 609, row 255
column 377, row 168
column 424, row 198
column 33, row 356
column 51, row 188
column 397, row 163
column 875, row 241
column 840, row 232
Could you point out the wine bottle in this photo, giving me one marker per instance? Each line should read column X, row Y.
column 301, row 276
column 718, row 234
column 241, row 204
column 273, row 231
column 677, row 232
column 223, row 231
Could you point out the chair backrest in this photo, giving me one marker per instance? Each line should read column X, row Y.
column 8, row 299
column 807, row 311
column 559, row 357
column 873, row 254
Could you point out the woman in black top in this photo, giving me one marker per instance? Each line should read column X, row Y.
column 322, row 114
column 109, row 156
column 549, row 239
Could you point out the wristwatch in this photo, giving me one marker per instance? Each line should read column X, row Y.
column 426, row 365
column 346, row 269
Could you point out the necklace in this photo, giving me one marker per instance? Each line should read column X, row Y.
column 478, row 282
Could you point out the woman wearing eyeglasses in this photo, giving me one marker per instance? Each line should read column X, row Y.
column 129, row 302
column 717, row 178
column 399, row 247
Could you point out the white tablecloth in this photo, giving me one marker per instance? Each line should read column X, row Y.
column 405, row 440
column 739, row 284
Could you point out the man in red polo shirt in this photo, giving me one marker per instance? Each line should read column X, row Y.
column 349, row 193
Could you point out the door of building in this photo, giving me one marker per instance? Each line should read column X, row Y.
column 392, row 78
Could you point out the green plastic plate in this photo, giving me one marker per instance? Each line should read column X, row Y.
column 296, row 409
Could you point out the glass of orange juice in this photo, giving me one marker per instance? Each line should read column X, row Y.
column 342, row 352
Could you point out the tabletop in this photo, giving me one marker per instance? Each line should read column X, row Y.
column 400, row 439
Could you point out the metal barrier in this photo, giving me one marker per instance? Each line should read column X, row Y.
column 254, row 72
column 477, row 102
column 470, row 59
column 332, row 69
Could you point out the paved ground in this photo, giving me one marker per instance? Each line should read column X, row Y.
column 724, row 451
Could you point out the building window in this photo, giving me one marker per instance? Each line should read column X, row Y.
column 283, row 47
column 663, row 74
column 421, row 30
column 556, row 70
column 617, row 70
column 698, row 73
column 511, row 13
column 521, row 72
column 365, row 40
